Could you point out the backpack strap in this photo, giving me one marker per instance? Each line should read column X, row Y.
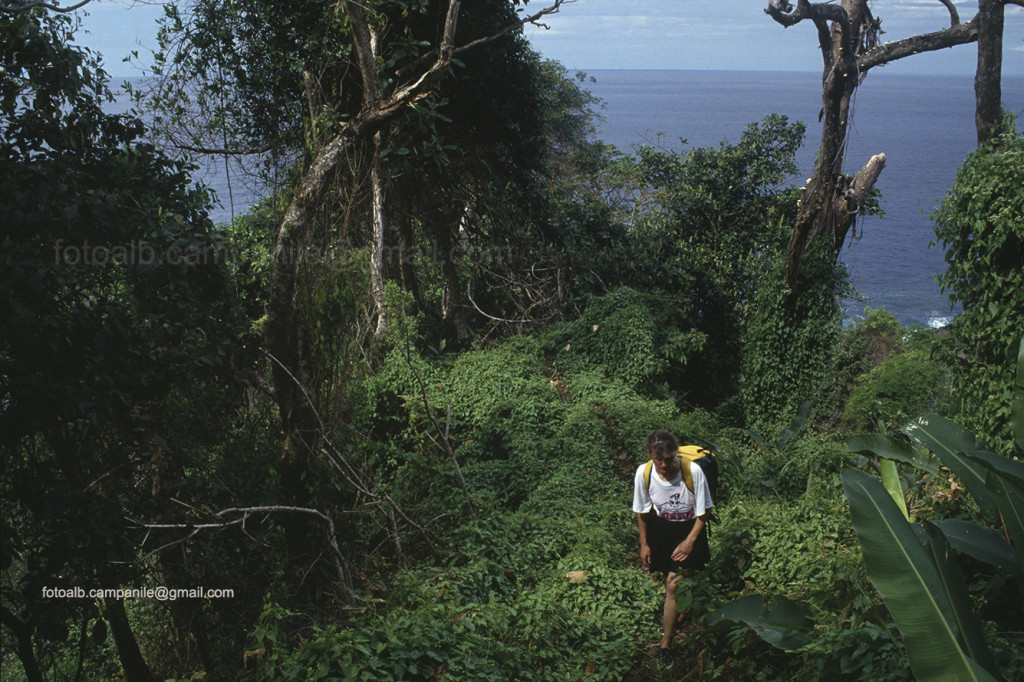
column 684, row 464
column 688, row 454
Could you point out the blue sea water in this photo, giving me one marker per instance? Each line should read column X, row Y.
column 924, row 125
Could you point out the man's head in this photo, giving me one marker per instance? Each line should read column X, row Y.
column 662, row 447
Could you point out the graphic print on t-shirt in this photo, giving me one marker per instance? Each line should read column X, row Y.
column 672, row 500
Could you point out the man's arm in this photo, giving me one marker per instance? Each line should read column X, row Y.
column 645, row 549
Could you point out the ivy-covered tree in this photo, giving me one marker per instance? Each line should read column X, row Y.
column 980, row 223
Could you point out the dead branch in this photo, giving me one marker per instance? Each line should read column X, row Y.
column 535, row 18
column 954, row 15
column 12, row 8
column 958, row 34
column 241, row 515
column 347, row 471
column 848, row 37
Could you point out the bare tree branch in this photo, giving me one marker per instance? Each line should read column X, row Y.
column 954, row 16
column 957, row 34
column 532, row 19
column 785, row 14
column 241, row 515
column 848, row 37
column 444, row 445
column 12, row 8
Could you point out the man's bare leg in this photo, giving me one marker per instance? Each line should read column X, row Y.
column 671, row 610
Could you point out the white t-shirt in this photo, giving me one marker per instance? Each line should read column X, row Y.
column 672, row 499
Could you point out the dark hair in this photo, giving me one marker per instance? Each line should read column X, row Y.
column 662, row 444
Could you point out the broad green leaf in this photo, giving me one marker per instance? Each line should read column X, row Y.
column 939, row 435
column 1010, row 500
column 909, row 582
column 794, row 426
column 787, row 625
column 981, row 674
column 891, row 481
column 892, row 448
column 948, row 441
column 984, row 544
column 757, row 438
column 1004, row 465
column 956, row 589
column 1017, row 410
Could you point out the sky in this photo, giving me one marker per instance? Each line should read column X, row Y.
column 642, row 34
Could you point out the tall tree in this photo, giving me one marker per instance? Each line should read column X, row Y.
column 112, row 300
column 848, row 36
column 385, row 96
column 357, row 103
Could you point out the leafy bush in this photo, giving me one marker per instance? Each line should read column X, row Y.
column 981, row 225
column 861, row 347
column 904, row 385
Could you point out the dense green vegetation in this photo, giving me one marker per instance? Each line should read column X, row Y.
column 454, row 501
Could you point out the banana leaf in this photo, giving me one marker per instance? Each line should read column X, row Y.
column 887, row 447
column 787, row 625
column 938, row 434
column 909, row 582
column 891, row 481
column 956, row 589
column 1010, row 499
column 1004, row 465
column 948, row 441
column 794, row 426
column 1017, row 408
column 984, row 544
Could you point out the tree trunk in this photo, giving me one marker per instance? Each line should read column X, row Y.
column 288, row 345
column 377, row 252
column 22, row 644
column 817, row 211
column 186, row 614
column 135, row 668
column 848, row 38
column 988, row 116
column 406, row 254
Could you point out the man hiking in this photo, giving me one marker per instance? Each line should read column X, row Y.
column 672, row 522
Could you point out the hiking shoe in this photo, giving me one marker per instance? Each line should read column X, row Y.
column 665, row 658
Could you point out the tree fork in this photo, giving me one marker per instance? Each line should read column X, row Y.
column 23, row 644
column 849, row 49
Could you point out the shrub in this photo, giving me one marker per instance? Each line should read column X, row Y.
column 981, row 225
column 905, row 385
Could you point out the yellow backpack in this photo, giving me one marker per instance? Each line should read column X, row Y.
column 704, row 458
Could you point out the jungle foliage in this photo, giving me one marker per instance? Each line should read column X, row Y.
column 466, row 510
column 980, row 223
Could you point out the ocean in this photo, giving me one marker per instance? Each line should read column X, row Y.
column 924, row 125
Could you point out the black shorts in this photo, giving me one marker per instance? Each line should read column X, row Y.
column 664, row 536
